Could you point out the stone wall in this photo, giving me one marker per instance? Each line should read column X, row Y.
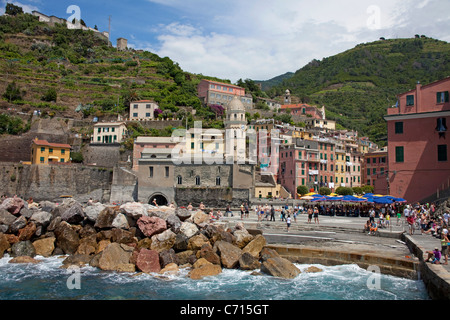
column 212, row 197
column 49, row 182
column 102, row 155
column 124, row 187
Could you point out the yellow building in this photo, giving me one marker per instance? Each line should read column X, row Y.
column 340, row 168
column 44, row 152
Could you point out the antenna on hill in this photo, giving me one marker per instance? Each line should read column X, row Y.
column 109, row 28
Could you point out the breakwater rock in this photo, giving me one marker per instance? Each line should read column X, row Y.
column 133, row 237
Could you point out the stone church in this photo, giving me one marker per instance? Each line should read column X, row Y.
column 200, row 165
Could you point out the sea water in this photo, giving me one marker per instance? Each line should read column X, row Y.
column 47, row 281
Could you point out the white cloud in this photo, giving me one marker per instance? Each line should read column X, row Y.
column 260, row 39
column 27, row 8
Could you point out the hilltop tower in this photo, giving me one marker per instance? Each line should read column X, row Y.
column 287, row 97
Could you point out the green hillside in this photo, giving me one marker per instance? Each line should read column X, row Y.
column 358, row 85
column 54, row 69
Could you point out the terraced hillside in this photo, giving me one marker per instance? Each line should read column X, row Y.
column 54, row 69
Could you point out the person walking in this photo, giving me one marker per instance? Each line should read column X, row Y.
column 316, row 215
column 310, row 214
column 272, row 213
column 444, row 245
column 288, row 222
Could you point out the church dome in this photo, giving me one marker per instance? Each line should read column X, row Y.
column 236, row 105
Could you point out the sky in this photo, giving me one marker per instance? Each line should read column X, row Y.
column 252, row 39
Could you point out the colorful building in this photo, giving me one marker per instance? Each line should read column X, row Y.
column 375, row 170
column 418, row 141
column 213, row 92
column 143, row 110
column 109, row 132
column 44, row 152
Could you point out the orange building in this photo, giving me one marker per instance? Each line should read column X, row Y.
column 44, row 152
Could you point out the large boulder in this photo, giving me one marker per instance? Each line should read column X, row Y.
column 4, row 244
column 183, row 214
column 174, row 223
column 67, row 238
column 196, row 242
column 181, row 243
column 106, row 218
column 23, row 248
column 255, row 246
column 88, row 245
column 148, row 261
column 27, row 232
column 163, row 241
column 280, row 267
column 120, row 222
column 199, row 218
column 41, row 218
column 167, row 257
column 229, row 254
column 44, row 247
column 248, row 262
column 115, row 257
column 12, row 205
column 59, row 209
column 93, row 211
column 207, row 252
column 188, row 229
column 134, row 210
column 206, row 269
column 6, row 218
column 215, row 233
column 47, row 206
column 74, row 214
column 23, row 259
column 150, row 226
column 18, row 224
column 243, row 237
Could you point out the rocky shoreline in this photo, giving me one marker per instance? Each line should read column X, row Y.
column 133, row 237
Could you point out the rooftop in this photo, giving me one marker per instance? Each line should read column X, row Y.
column 49, row 144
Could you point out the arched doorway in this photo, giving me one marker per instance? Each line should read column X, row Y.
column 161, row 200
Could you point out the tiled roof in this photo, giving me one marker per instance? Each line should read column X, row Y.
column 48, row 144
column 293, row 106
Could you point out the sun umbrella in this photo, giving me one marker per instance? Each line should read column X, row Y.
column 382, row 200
column 353, row 199
column 334, row 198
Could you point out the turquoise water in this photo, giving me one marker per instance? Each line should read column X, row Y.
column 46, row 281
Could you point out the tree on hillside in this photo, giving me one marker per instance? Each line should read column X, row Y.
column 12, row 92
column 50, row 95
column 13, row 10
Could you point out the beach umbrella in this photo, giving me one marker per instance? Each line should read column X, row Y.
column 307, row 198
column 395, row 199
column 353, row 199
column 382, row 200
column 334, row 198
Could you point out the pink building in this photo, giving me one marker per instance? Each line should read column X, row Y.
column 375, row 170
column 418, row 141
column 213, row 92
column 303, row 109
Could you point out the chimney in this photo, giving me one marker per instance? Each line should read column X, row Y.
column 418, row 96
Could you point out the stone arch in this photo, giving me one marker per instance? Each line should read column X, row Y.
column 160, row 198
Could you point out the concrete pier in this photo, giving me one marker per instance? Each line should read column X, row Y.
column 341, row 240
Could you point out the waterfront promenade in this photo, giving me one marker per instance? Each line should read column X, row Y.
column 393, row 249
column 338, row 231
